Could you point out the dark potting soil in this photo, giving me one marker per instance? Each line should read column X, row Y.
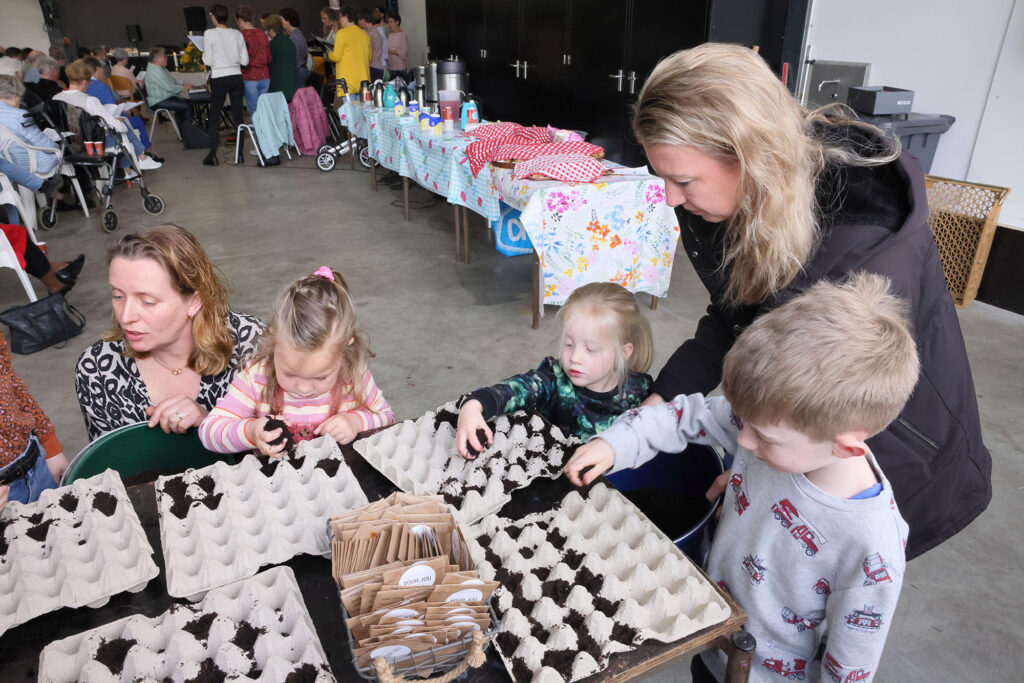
column 446, row 417
column 589, row 580
column 285, row 437
column 481, row 437
column 671, row 512
column 209, row 672
column 34, row 519
column 520, row 671
column 557, row 590
column 510, row 486
column 572, row 558
column 623, row 633
column 39, row 531
column 268, row 465
column 541, row 573
column 539, row 632
column 556, row 539
column 608, row 607
column 181, row 500
column 527, row 552
column 4, row 523
column 507, row 643
column 559, row 660
column 207, row 484
column 112, row 653
column 69, row 502
column 105, row 503
column 200, row 626
column 306, row 673
column 329, row 466
column 246, row 635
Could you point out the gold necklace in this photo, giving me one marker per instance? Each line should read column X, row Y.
column 173, row 371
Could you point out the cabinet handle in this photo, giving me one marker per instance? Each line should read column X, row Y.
column 526, row 69
column 568, row 60
column 516, row 67
column 618, row 77
column 632, row 82
column 483, row 54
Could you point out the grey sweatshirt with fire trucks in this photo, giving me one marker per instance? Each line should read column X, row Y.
column 809, row 569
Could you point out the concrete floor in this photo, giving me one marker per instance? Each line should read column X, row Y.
column 439, row 329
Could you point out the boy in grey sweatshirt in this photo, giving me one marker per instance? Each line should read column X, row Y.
column 811, row 544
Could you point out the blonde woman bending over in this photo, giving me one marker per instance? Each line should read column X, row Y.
column 772, row 198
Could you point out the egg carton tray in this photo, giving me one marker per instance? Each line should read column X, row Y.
column 75, row 546
column 222, row 523
column 589, row 578
column 420, row 457
column 256, row 629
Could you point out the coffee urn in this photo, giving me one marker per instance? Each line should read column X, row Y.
column 452, row 75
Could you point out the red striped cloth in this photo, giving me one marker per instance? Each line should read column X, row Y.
column 570, row 168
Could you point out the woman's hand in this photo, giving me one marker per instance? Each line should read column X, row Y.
column 4, row 490
column 343, row 427
column 176, row 414
column 597, row 455
column 471, row 420
column 653, row 400
column 255, row 432
column 57, row 464
column 717, row 488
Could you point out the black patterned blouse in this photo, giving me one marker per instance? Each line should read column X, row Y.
column 111, row 391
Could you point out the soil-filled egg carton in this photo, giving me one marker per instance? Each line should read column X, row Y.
column 256, row 629
column 587, row 579
column 421, row 457
column 222, row 523
column 77, row 545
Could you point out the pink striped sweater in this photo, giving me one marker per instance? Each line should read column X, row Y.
column 223, row 430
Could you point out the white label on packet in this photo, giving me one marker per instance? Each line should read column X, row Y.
column 402, row 613
column 466, row 595
column 418, row 575
column 472, row 582
column 460, row 617
column 410, row 622
column 390, row 652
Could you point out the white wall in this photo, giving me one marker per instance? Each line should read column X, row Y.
column 21, row 25
column 414, row 22
column 946, row 51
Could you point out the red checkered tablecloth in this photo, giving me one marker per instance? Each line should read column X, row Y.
column 570, row 168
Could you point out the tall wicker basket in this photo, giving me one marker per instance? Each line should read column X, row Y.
column 963, row 218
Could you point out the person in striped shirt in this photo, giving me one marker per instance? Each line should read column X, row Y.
column 310, row 371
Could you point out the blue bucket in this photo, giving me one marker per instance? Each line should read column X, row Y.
column 671, row 478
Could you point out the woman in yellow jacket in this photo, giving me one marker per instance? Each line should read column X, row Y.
column 351, row 51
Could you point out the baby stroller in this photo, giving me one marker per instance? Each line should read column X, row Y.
column 327, row 154
column 86, row 148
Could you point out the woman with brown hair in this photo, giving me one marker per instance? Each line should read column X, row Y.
column 772, row 198
column 175, row 345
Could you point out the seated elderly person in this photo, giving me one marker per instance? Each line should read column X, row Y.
column 120, row 69
column 58, row 276
column 79, row 75
column 103, row 92
column 19, row 169
column 163, row 91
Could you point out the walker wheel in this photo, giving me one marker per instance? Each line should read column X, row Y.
column 153, row 205
column 324, row 148
column 47, row 219
column 325, row 161
column 364, row 156
column 109, row 220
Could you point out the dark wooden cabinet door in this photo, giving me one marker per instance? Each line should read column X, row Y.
column 543, row 46
column 498, row 87
column 597, row 49
column 440, row 28
column 471, row 37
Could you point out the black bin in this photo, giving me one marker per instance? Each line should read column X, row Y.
column 919, row 133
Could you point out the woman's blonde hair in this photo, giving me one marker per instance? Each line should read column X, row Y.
column 314, row 313
column 724, row 101
column 272, row 22
column 182, row 257
column 622, row 320
column 78, row 71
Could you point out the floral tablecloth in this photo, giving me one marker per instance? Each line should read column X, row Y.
column 617, row 229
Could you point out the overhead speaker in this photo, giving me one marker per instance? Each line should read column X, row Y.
column 134, row 33
column 195, row 19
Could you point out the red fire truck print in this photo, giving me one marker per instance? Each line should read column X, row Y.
column 805, row 622
column 803, row 531
column 876, row 570
column 822, row 587
column 755, row 569
column 795, row 669
column 841, row 674
column 864, row 619
column 741, row 502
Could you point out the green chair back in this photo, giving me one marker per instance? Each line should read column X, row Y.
column 138, row 448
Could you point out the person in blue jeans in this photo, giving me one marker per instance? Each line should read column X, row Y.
column 12, row 117
column 31, row 458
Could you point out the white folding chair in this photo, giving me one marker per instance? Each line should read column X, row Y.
column 27, row 206
column 156, row 117
column 8, row 195
column 9, row 259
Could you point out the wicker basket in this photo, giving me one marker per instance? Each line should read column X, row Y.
column 963, row 219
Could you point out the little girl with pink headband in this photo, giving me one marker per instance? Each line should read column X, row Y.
column 310, row 371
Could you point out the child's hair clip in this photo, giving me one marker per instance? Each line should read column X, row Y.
column 325, row 272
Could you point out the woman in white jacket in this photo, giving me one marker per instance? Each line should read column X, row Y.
column 224, row 52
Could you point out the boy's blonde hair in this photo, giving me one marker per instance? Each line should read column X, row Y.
column 313, row 313
column 837, row 358
column 621, row 318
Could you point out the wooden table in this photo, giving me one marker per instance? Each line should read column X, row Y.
column 21, row 646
